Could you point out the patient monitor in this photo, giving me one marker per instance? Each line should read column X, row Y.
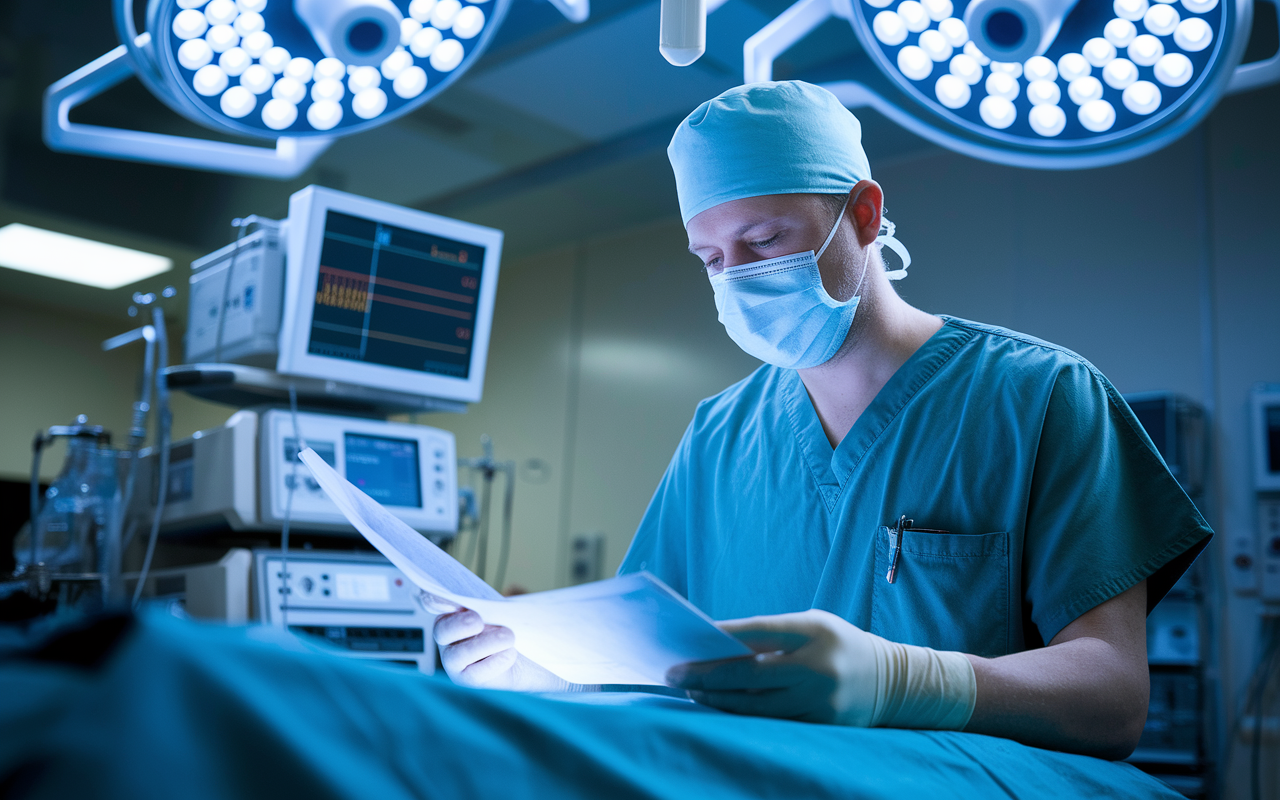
column 348, row 300
column 320, row 326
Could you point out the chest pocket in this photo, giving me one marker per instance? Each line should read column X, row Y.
column 950, row 591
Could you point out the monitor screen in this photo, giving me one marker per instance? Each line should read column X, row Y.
column 385, row 469
column 323, row 449
column 387, row 298
column 396, row 297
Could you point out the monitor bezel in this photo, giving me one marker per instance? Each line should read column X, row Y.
column 1264, row 478
column 307, row 210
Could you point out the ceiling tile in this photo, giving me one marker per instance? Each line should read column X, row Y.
column 400, row 165
column 604, row 81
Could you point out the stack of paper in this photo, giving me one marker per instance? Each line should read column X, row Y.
column 625, row 630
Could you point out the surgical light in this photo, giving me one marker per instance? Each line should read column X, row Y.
column 1054, row 84
column 275, row 70
column 70, row 258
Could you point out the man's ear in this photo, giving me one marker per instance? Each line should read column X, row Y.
column 865, row 202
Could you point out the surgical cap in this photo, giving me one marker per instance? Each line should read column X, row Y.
column 788, row 137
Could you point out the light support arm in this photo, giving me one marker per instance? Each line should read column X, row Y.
column 573, row 10
column 289, row 158
column 763, row 48
column 1258, row 73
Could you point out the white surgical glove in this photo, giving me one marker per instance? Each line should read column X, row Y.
column 484, row 656
column 817, row 667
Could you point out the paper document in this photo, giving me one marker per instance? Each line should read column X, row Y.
column 630, row 629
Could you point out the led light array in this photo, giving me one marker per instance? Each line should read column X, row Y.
column 228, row 55
column 1121, row 54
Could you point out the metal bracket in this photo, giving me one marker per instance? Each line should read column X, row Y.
column 763, row 48
column 573, row 10
column 1259, row 73
column 289, row 158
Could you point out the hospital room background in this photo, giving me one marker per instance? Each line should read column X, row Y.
column 1163, row 270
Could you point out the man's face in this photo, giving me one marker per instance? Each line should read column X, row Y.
column 760, row 228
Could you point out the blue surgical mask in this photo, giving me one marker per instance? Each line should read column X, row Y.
column 778, row 310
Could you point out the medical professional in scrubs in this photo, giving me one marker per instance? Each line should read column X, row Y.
column 916, row 521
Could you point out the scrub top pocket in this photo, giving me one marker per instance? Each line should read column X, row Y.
column 950, row 591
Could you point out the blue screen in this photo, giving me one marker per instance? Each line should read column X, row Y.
column 385, row 469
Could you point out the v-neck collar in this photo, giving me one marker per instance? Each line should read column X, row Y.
column 831, row 469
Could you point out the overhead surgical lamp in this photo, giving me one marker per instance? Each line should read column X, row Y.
column 1050, row 84
column 298, row 72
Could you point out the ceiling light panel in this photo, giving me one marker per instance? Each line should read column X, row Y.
column 71, row 258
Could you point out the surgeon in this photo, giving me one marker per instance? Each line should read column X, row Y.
column 916, row 521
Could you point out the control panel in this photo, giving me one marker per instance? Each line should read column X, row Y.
column 357, row 603
column 1269, row 540
column 409, row 469
column 1265, row 412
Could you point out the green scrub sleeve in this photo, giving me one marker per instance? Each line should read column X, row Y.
column 1104, row 512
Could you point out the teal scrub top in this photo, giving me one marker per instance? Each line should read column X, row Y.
column 1037, row 492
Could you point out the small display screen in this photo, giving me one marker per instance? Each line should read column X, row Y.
column 1273, row 438
column 396, row 297
column 362, row 586
column 323, row 449
column 385, row 469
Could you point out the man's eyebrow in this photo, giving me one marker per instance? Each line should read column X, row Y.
column 693, row 247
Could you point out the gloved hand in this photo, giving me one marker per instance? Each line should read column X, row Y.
column 484, row 656
column 817, row 667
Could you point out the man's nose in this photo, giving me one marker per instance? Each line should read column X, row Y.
column 737, row 256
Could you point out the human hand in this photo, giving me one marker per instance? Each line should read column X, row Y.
column 817, row 667
column 484, row 656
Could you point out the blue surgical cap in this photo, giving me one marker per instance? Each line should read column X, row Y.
column 788, row 137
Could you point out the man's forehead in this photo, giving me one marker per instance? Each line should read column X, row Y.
column 737, row 217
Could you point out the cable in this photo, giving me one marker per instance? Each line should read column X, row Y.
column 164, row 422
column 36, row 447
column 138, row 429
column 475, row 526
column 508, row 504
column 299, row 444
column 241, row 224
column 482, row 533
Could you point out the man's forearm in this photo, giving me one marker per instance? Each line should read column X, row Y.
column 1082, row 696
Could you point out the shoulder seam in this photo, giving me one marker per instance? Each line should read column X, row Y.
column 1024, row 339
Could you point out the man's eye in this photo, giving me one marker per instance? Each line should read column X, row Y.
column 712, row 263
column 763, row 243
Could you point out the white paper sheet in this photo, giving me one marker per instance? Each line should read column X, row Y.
column 630, row 629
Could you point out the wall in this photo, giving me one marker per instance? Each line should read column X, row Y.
column 53, row 368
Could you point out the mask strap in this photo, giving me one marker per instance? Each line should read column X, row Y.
column 831, row 235
column 887, row 239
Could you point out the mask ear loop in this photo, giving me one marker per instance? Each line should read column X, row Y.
column 887, row 239
column 865, row 262
column 831, row 235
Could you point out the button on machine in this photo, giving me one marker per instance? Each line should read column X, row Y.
column 358, row 603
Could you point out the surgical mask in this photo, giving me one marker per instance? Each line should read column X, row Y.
column 778, row 310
